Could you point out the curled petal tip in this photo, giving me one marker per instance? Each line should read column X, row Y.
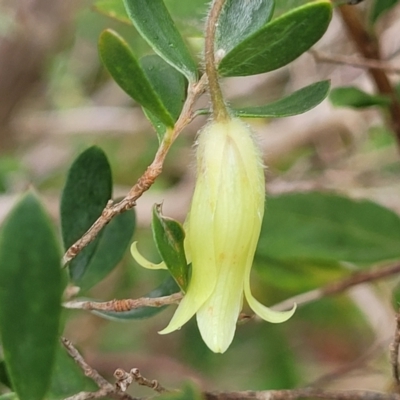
column 142, row 261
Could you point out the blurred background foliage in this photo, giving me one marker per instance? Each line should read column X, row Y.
column 56, row 100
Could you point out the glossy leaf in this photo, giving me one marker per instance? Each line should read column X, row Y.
column 112, row 8
column 86, row 192
column 169, row 236
column 167, row 288
column 154, row 23
column 111, row 248
column 240, row 19
column 325, row 227
column 123, row 66
column 278, row 42
column 296, row 103
column 379, row 7
column 30, row 297
column 170, row 83
column 159, row 127
column 351, row 96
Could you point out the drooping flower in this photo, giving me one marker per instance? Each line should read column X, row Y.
column 222, row 232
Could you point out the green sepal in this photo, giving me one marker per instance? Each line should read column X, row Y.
column 169, row 236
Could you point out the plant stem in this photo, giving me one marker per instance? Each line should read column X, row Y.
column 218, row 105
column 368, row 46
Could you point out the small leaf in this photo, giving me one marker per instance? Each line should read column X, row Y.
column 160, row 128
column 351, row 96
column 169, row 236
column 114, row 9
column 240, row 19
column 278, row 42
column 123, row 66
column 296, row 103
column 379, row 7
column 111, row 248
column 30, row 297
column 155, row 25
column 86, row 193
column 167, row 288
column 325, row 227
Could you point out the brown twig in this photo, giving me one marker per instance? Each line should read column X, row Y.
column 394, row 352
column 303, row 393
column 106, row 388
column 125, row 304
column 125, row 379
column 146, row 180
column 368, row 46
column 356, row 62
column 339, row 286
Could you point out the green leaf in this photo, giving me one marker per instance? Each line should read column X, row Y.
column 170, row 83
column 86, row 193
column 379, row 7
column 167, row 288
column 296, row 103
column 68, row 378
column 160, row 128
column 9, row 396
column 123, row 66
column 112, row 8
column 4, row 378
column 278, row 42
column 169, row 236
column 155, row 25
column 30, row 297
column 350, row 96
column 324, row 227
column 240, row 19
column 111, row 248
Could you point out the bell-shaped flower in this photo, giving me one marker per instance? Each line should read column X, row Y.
column 222, row 231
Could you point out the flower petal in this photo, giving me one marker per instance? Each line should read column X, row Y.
column 142, row 261
column 264, row 312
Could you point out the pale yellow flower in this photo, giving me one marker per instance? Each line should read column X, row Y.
column 222, row 232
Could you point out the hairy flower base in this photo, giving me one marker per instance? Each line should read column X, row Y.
column 222, row 232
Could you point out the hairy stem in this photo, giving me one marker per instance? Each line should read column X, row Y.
column 217, row 100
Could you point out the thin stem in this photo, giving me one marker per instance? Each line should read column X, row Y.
column 217, row 99
column 394, row 352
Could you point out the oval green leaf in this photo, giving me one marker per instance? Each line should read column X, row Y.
column 169, row 236
column 278, row 42
column 325, row 227
column 351, row 96
column 30, row 297
column 125, row 69
column 86, row 192
column 166, row 288
column 296, row 103
column 110, row 249
column 240, row 19
column 170, row 83
column 155, row 25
